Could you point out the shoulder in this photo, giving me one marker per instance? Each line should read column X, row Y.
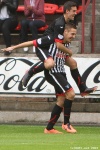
column 60, row 21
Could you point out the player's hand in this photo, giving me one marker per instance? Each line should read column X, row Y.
column 29, row 7
column 8, row 49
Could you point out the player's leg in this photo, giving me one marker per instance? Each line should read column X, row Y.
column 42, row 50
column 45, row 57
column 84, row 90
column 55, row 114
column 69, row 97
column 67, row 112
column 38, row 67
column 44, row 41
column 35, row 68
column 46, row 60
column 61, row 85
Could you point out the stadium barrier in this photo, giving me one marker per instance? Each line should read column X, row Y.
column 11, row 76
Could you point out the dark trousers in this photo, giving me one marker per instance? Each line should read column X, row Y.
column 5, row 27
column 31, row 25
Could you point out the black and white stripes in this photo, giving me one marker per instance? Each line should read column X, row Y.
column 59, row 58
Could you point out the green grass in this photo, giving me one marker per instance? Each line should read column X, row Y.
column 22, row 137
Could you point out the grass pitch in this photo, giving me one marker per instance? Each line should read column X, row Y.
column 22, row 137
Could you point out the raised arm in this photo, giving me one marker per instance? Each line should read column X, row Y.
column 63, row 48
column 59, row 37
column 24, row 44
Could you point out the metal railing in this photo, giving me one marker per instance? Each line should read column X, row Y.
column 84, row 8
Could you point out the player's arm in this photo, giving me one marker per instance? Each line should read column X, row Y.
column 58, row 37
column 61, row 47
column 24, row 44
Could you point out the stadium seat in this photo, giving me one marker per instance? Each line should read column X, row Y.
column 18, row 27
column 40, row 29
column 59, row 10
column 43, row 28
column 20, row 9
column 50, row 8
column 79, row 10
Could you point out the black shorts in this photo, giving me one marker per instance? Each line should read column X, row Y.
column 59, row 81
column 43, row 53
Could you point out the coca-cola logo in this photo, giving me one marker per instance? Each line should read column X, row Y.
column 9, row 65
column 96, row 77
column 12, row 71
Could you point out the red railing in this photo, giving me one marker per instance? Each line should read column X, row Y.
column 84, row 7
column 93, row 26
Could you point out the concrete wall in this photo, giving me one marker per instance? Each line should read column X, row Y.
column 21, row 117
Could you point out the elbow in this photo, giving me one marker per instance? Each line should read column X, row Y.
column 58, row 45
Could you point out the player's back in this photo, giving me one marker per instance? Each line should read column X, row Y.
column 52, row 27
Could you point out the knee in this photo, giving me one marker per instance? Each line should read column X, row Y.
column 60, row 101
column 32, row 26
column 23, row 22
column 73, row 64
column 70, row 95
column 49, row 63
column 4, row 28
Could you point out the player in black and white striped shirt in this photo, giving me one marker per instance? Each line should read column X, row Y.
column 57, row 77
column 59, row 58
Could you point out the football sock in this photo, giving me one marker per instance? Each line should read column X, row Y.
column 54, row 116
column 78, row 79
column 38, row 67
column 67, row 110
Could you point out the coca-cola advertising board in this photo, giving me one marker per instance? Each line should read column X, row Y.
column 12, row 70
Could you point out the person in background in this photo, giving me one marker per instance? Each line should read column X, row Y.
column 56, row 2
column 35, row 18
column 78, row 2
column 8, row 20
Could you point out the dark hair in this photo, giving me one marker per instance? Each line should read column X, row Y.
column 70, row 25
column 68, row 5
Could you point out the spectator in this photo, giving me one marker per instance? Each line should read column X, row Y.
column 35, row 18
column 52, row 1
column 78, row 2
column 8, row 20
